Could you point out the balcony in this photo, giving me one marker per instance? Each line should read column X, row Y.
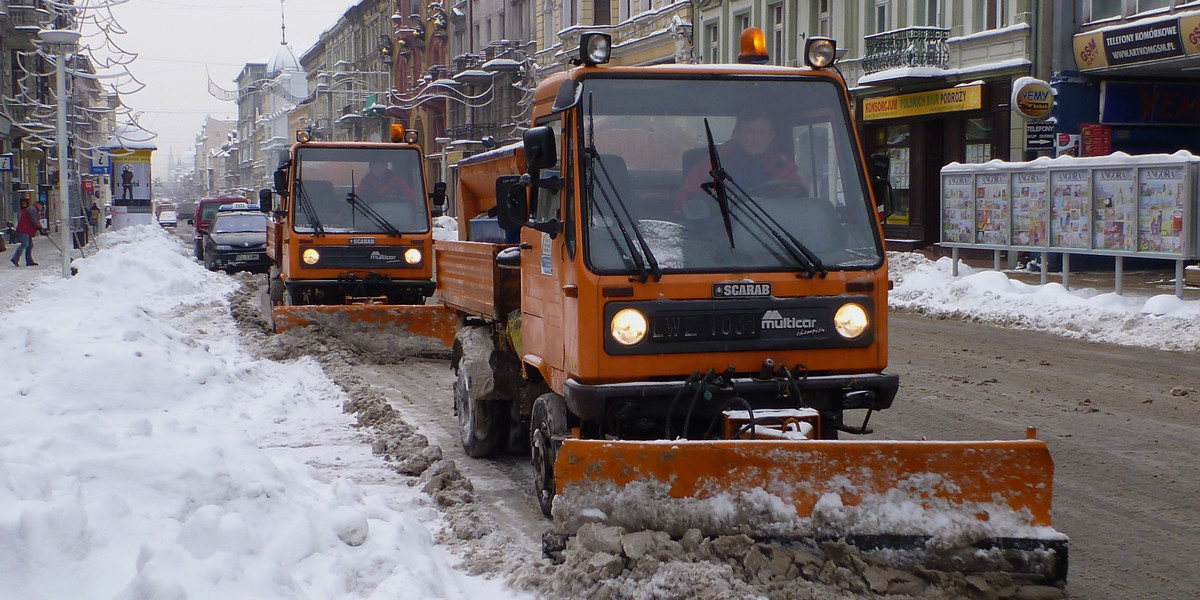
column 915, row 53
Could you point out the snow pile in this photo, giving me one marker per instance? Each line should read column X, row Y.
column 145, row 455
column 445, row 228
column 1163, row 321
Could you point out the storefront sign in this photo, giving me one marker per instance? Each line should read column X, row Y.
column 1149, row 103
column 1138, row 43
column 1039, row 136
column 954, row 99
column 1032, row 98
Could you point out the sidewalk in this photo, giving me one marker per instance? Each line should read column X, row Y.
column 16, row 282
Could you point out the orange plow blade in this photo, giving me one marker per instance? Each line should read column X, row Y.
column 941, row 494
column 436, row 324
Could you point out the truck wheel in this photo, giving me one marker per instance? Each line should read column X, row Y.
column 198, row 248
column 482, row 424
column 547, row 428
column 275, row 286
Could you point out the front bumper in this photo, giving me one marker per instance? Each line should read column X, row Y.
column 240, row 259
column 826, row 393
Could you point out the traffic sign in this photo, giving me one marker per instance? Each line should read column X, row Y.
column 6, row 162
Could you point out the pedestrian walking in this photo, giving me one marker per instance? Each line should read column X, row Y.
column 94, row 218
column 29, row 224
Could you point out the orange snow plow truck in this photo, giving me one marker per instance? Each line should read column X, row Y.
column 690, row 304
column 351, row 238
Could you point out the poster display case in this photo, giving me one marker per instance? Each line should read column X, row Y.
column 1118, row 205
column 1029, row 208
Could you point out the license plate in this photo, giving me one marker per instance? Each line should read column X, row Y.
column 705, row 327
column 247, row 257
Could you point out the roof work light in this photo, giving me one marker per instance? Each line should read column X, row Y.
column 819, row 52
column 595, row 48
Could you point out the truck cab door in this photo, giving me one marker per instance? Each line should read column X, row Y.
column 542, row 270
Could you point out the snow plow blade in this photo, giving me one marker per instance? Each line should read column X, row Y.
column 965, row 506
column 435, row 323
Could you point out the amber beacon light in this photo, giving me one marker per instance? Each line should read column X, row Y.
column 754, row 47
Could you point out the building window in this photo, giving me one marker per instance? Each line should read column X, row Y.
column 992, row 14
column 879, row 17
column 777, row 50
column 896, row 142
column 602, row 13
column 625, row 10
column 743, row 23
column 1149, row 5
column 928, row 13
column 714, row 43
column 1106, row 9
column 824, row 19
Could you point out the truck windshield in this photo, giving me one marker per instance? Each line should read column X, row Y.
column 331, row 181
column 788, row 194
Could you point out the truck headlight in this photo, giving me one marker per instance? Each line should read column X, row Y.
column 412, row 256
column 629, row 326
column 850, row 321
column 310, row 256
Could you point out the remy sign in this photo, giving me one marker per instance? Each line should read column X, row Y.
column 1117, row 205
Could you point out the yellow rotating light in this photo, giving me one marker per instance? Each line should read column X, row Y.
column 310, row 256
column 629, row 326
column 412, row 256
column 851, row 321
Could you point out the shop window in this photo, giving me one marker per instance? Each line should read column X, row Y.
column 979, row 140
column 896, row 142
column 1106, row 9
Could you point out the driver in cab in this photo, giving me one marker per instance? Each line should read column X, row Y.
column 382, row 184
column 748, row 157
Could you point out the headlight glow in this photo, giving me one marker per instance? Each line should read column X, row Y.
column 412, row 256
column 629, row 326
column 310, row 256
column 851, row 321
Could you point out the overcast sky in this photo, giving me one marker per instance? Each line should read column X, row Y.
column 178, row 40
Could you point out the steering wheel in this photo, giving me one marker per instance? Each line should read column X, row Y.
column 778, row 187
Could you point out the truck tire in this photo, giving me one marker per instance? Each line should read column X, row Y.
column 482, row 424
column 275, row 286
column 547, row 428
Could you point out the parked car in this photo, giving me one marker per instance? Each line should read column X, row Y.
column 236, row 240
column 167, row 218
column 206, row 209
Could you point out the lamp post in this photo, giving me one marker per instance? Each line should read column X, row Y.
column 61, row 42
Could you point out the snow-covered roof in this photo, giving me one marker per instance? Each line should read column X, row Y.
column 129, row 137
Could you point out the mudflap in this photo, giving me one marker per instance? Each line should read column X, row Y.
column 433, row 323
column 972, row 506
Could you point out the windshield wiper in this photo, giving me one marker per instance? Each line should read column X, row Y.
column 361, row 206
column 621, row 216
column 754, row 211
column 716, row 187
column 305, row 204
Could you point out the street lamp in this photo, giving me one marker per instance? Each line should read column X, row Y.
column 61, row 43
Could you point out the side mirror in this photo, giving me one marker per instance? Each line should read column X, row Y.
column 512, row 202
column 265, row 197
column 540, row 152
column 281, row 182
column 437, row 198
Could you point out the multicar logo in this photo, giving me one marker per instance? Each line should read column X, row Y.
column 377, row 255
column 741, row 290
column 774, row 320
